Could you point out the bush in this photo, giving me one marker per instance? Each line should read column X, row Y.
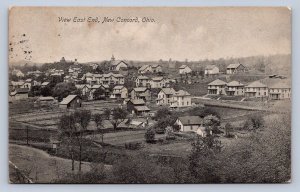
column 133, row 145
column 150, row 135
column 254, row 122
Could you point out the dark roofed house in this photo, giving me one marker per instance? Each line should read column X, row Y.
column 140, row 93
column 189, row 123
column 19, row 94
column 235, row 68
column 71, row 101
column 137, row 106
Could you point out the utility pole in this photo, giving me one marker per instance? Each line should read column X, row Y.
column 27, row 135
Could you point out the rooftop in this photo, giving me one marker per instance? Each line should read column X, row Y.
column 190, row 120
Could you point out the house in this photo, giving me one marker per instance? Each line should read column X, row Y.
column 17, row 73
column 256, row 89
column 189, row 123
column 119, row 92
column 71, row 101
column 156, row 68
column 235, row 88
column 145, row 69
column 112, row 79
column 116, row 65
column 140, row 93
column 235, row 68
column 158, row 82
column 184, row 69
column 16, row 84
column 216, row 87
column 142, row 81
column 181, row 98
column 84, row 88
column 44, row 84
column 165, row 96
column 94, row 88
column 44, row 101
column 19, row 94
column 27, row 84
column 280, row 90
column 211, row 70
column 137, row 106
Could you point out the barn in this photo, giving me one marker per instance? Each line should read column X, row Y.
column 71, row 101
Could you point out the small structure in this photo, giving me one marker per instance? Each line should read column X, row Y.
column 211, row 70
column 71, row 101
column 19, row 94
column 44, row 84
column 216, row 87
column 137, row 106
column 189, row 123
column 184, row 69
column 235, row 68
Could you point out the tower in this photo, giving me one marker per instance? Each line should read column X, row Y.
column 112, row 58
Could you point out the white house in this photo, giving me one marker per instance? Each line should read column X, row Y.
column 165, row 96
column 158, row 82
column 181, row 99
column 256, row 89
column 189, row 123
column 142, row 81
column 211, row 70
column 184, row 69
column 235, row 88
column 145, row 69
column 119, row 92
column 280, row 90
column 235, row 68
column 117, row 65
column 216, row 87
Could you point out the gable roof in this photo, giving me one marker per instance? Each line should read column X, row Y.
column 157, row 78
column 183, row 66
column 142, row 108
column 140, row 89
column 45, row 83
column 156, row 65
column 217, row 82
column 119, row 87
column 190, row 120
column 256, row 84
column 281, row 85
column 233, row 65
column 117, row 62
column 68, row 99
column 144, row 67
column 234, row 84
column 168, row 91
column 137, row 101
column 142, row 77
column 210, row 67
column 181, row 93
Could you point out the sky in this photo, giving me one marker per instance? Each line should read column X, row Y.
column 36, row 34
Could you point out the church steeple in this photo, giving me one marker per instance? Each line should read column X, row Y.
column 112, row 58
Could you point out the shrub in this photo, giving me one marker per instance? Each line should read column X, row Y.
column 133, row 145
column 150, row 135
column 254, row 122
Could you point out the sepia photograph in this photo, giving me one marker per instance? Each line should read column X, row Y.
column 149, row 95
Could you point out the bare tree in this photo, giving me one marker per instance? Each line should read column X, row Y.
column 66, row 130
column 99, row 118
column 83, row 118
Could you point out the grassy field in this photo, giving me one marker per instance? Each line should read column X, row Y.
column 39, row 166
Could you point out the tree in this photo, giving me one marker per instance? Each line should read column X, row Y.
column 203, row 162
column 46, row 91
column 107, row 113
column 211, row 122
column 98, row 118
column 254, row 122
column 228, row 130
column 118, row 116
column 83, row 119
column 170, row 133
column 99, row 93
column 162, row 113
column 62, row 90
column 150, row 135
column 67, row 131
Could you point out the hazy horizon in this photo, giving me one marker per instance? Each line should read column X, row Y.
column 216, row 33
